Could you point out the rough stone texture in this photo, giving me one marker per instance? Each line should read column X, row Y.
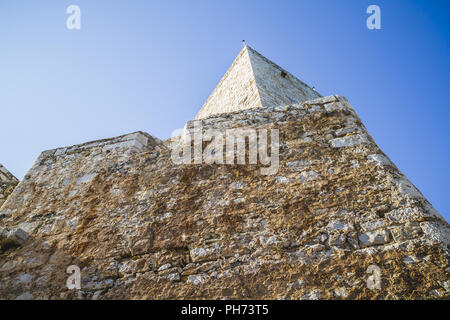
column 7, row 184
column 140, row 227
column 13, row 238
column 253, row 81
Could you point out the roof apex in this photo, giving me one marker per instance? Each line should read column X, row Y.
column 253, row 81
column 6, row 176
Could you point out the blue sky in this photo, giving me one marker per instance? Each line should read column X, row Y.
column 150, row 65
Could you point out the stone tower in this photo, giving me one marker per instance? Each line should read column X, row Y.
column 253, row 81
column 338, row 220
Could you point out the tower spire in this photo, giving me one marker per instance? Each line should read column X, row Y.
column 254, row 81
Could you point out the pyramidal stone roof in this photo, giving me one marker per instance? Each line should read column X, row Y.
column 253, row 81
column 6, row 176
column 7, row 184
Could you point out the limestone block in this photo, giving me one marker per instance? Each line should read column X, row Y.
column 372, row 238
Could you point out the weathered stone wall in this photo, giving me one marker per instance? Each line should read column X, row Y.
column 7, row 184
column 141, row 227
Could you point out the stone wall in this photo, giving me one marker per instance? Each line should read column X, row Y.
column 7, row 184
column 140, row 227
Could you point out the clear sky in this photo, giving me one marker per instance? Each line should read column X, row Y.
column 150, row 65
